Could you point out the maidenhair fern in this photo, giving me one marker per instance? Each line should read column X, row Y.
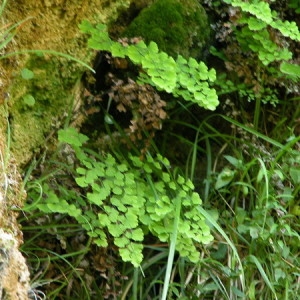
column 181, row 77
column 262, row 12
column 124, row 200
column 260, row 43
column 258, row 17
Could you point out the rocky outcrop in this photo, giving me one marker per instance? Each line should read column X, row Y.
column 38, row 89
column 51, row 87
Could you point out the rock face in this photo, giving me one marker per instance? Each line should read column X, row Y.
column 51, row 25
column 51, row 88
column 14, row 274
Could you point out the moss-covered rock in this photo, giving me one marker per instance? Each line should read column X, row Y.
column 32, row 122
column 26, row 126
column 53, row 25
column 177, row 26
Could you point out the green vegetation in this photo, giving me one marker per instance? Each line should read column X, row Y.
column 186, row 78
column 177, row 27
column 128, row 204
column 205, row 208
column 257, row 35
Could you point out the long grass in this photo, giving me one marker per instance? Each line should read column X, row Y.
column 253, row 189
column 243, row 261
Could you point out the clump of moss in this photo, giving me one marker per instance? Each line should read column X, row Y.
column 177, row 26
column 51, row 88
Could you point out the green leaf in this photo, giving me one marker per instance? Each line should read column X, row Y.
column 189, row 184
column 260, row 175
column 128, row 199
column 166, row 177
column 132, row 253
column 162, row 210
column 159, row 186
column 112, row 213
column 101, row 242
column 97, row 198
column 117, row 190
column 165, row 199
column 288, row 29
column 147, row 169
column 137, row 235
column 72, row 137
column 81, row 171
column 180, row 179
column 103, row 43
column 86, row 27
column 192, row 63
column 81, row 181
column 100, row 28
column 295, row 175
column 73, row 211
column 137, row 52
column 91, row 175
column 220, row 253
column 118, row 204
column 172, row 185
column 239, row 293
column 203, row 68
column 260, row 10
column 63, row 207
column 27, row 74
column 118, row 50
column 235, row 162
column 119, row 182
column 111, row 171
column 224, row 178
column 181, row 61
column 131, row 220
column 29, row 100
column 184, row 227
column 108, row 119
column 182, row 194
column 108, row 184
column 121, row 168
column 295, row 210
column 254, row 232
column 121, row 242
column 136, row 161
column 163, row 84
column 185, row 80
column 212, row 75
column 115, row 230
column 290, row 69
column 153, row 48
column 110, row 160
column 103, row 220
column 44, row 208
column 255, row 24
column 195, row 198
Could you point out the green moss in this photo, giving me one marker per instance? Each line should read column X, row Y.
column 177, row 26
column 49, row 95
column 51, row 89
